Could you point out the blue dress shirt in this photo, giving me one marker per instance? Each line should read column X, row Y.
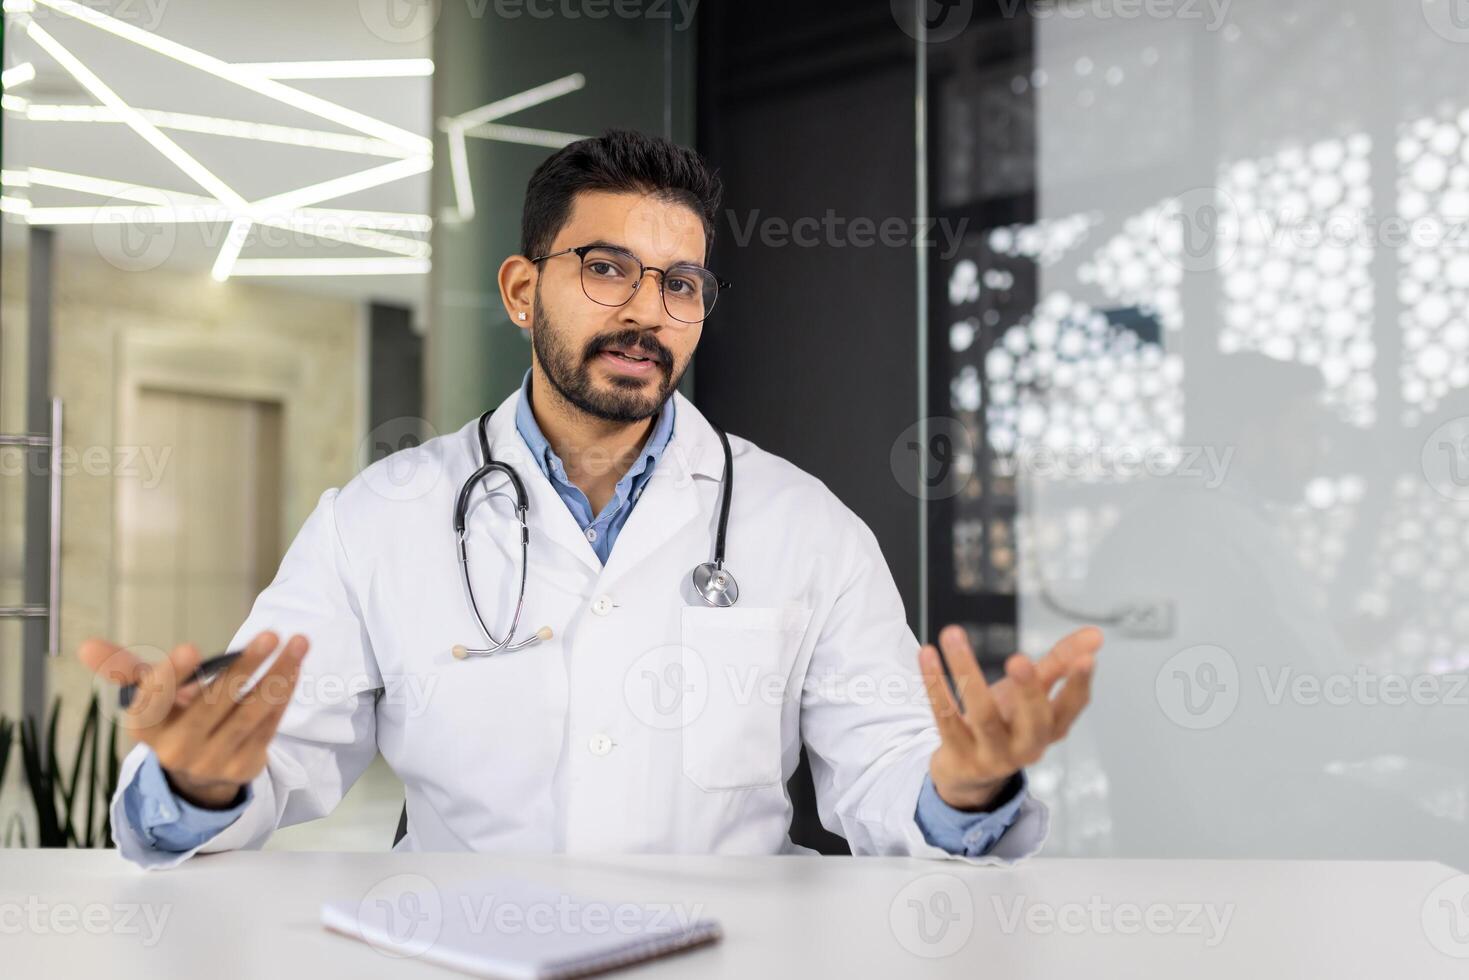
column 169, row 823
column 602, row 530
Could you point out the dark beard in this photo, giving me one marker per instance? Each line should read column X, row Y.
column 569, row 371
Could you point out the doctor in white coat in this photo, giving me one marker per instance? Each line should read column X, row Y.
column 644, row 719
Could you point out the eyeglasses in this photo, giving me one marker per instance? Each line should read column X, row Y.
column 611, row 277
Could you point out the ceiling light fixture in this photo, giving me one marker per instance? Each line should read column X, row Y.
column 331, row 267
column 234, row 241
column 14, row 77
column 216, row 126
column 365, row 68
column 455, row 128
column 200, row 174
column 244, row 77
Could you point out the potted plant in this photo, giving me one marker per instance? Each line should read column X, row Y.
column 70, row 802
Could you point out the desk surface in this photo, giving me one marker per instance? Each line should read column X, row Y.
column 256, row 914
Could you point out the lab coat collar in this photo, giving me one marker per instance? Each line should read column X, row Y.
column 677, row 492
column 669, row 500
column 551, row 520
column 694, row 448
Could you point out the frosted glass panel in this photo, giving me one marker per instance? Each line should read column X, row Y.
column 1238, row 419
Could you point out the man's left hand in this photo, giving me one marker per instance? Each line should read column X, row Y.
column 1004, row 727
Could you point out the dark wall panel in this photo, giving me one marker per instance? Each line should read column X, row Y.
column 808, row 110
column 813, row 354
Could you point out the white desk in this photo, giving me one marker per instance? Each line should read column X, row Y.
column 256, row 915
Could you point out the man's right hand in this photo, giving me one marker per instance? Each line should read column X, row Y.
column 211, row 740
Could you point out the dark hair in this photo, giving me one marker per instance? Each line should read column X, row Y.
column 620, row 160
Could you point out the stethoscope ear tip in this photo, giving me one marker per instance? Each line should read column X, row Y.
column 543, row 634
column 460, row 651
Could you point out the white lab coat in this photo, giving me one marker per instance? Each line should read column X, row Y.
column 650, row 722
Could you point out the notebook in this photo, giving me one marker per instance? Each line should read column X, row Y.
column 513, row 929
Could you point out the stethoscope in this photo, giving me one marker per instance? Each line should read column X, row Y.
column 713, row 583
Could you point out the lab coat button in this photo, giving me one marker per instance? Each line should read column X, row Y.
column 600, row 744
column 603, row 605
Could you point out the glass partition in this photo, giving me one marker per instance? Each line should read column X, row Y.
column 1210, row 346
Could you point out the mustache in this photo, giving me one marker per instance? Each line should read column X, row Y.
column 644, row 343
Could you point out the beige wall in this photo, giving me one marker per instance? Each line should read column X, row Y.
column 116, row 331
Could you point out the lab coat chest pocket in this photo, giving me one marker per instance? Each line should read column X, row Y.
column 736, row 664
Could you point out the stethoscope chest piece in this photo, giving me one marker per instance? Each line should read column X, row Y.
column 715, row 585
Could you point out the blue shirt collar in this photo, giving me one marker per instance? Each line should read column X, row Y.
column 550, row 463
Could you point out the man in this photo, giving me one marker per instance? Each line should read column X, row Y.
column 644, row 719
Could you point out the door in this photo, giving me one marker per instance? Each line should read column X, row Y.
column 197, row 542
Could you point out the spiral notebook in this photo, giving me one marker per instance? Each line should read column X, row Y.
column 512, row 929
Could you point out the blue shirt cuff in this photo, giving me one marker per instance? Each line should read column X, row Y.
column 970, row 833
column 167, row 821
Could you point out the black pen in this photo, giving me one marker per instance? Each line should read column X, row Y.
column 204, row 672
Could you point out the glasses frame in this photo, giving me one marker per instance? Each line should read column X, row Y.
column 580, row 251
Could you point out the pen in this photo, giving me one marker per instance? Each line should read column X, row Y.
column 204, row 672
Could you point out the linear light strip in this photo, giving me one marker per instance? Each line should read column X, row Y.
column 361, row 68
column 341, row 186
column 348, row 234
column 344, row 229
column 331, row 267
column 244, row 214
column 130, row 214
column 412, row 248
column 217, row 126
column 477, row 120
column 524, row 135
column 514, row 103
column 240, row 229
column 100, row 91
column 400, row 221
column 104, row 187
column 18, row 75
column 192, row 207
column 227, row 260
column 234, row 241
column 281, row 210
column 459, row 174
column 244, row 77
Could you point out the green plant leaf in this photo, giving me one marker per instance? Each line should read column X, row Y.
column 43, row 789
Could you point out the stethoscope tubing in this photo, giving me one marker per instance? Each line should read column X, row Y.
column 722, row 593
